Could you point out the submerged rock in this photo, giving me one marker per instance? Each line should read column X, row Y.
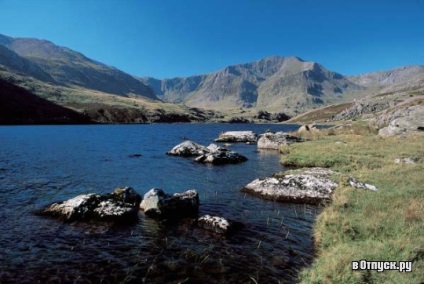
column 188, row 149
column 156, row 203
column 220, row 156
column 218, row 224
column 122, row 204
column 237, row 136
column 306, row 186
column 273, row 141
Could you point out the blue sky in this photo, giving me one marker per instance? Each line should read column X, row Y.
column 169, row 38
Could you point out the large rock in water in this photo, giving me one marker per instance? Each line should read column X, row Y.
column 188, row 149
column 213, row 154
column 237, row 136
column 220, row 156
column 122, row 204
column 307, row 186
column 408, row 120
column 273, row 141
column 156, row 203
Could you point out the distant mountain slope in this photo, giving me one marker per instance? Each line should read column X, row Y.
column 286, row 84
column 18, row 106
column 13, row 62
column 71, row 68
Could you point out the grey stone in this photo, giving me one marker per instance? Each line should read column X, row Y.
column 122, row 204
column 407, row 161
column 357, row 184
column 273, row 141
column 303, row 186
column 218, row 224
column 237, row 136
column 188, row 149
column 156, row 203
column 403, row 121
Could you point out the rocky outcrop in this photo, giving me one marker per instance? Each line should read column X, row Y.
column 213, row 154
column 307, row 186
column 220, row 156
column 359, row 109
column 218, row 224
column 156, row 203
column 122, row 204
column 237, row 136
column 273, row 141
column 404, row 121
column 264, row 115
column 188, row 149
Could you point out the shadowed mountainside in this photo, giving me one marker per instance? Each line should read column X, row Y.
column 18, row 106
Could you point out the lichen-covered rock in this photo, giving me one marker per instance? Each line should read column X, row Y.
column 218, row 224
column 156, row 203
column 271, row 140
column 188, row 149
column 213, row 154
column 220, row 156
column 237, row 136
column 305, row 186
column 122, row 204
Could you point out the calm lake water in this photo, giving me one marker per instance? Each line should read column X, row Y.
column 44, row 164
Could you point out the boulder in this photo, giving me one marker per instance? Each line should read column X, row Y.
column 307, row 128
column 218, row 224
column 302, row 186
column 273, row 141
column 188, row 149
column 156, row 203
column 404, row 121
column 237, row 136
column 220, row 156
column 122, row 204
column 213, row 154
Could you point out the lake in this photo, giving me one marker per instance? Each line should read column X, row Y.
column 44, row 164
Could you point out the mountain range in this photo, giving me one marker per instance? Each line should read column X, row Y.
column 274, row 84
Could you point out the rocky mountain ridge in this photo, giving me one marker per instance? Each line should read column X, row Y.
column 277, row 84
column 270, row 89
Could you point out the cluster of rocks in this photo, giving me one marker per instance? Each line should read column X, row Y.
column 213, row 154
column 271, row 140
column 307, row 185
column 124, row 204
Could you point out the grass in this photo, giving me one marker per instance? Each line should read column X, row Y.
column 359, row 224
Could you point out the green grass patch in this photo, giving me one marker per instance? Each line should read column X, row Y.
column 359, row 224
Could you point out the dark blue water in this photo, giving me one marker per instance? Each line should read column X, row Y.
column 43, row 164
